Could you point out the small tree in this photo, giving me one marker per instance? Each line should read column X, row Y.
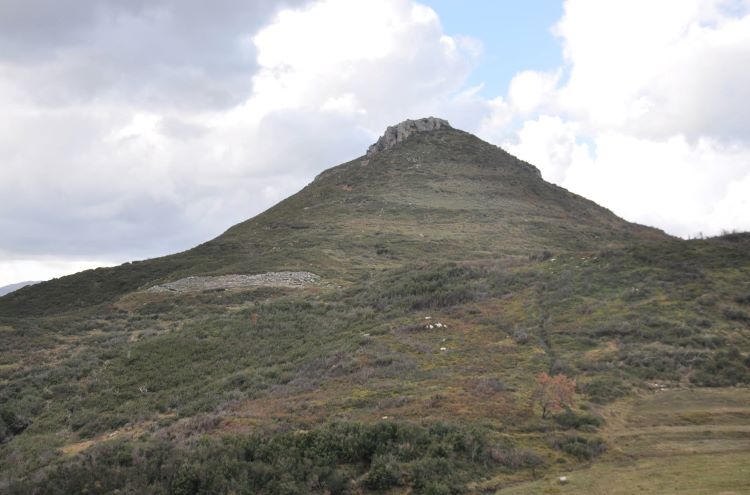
column 554, row 392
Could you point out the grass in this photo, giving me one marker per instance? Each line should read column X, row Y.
column 677, row 441
column 723, row 473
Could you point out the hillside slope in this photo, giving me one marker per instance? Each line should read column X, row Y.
column 451, row 276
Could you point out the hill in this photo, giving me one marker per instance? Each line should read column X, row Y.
column 383, row 329
column 7, row 289
column 443, row 194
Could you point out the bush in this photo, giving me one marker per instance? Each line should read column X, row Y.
column 384, row 473
column 580, row 447
column 520, row 336
column 569, row 419
column 603, row 390
column 336, row 482
column 554, row 392
column 11, row 424
column 425, row 471
column 660, row 362
column 724, row 369
column 436, row 488
column 187, row 481
column 515, row 458
column 335, row 459
column 425, row 288
column 735, row 314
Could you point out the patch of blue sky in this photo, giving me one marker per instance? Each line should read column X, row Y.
column 516, row 35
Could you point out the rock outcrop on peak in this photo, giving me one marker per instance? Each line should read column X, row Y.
column 397, row 133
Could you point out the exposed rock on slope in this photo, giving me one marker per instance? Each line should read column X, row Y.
column 397, row 133
column 270, row 279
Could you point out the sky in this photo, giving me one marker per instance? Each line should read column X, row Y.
column 135, row 128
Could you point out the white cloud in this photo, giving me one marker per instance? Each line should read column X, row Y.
column 529, row 90
column 649, row 121
column 674, row 184
column 374, row 61
column 146, row 128
column 550, row 144
column 132, row 129
column 31, row 270
column 734, row 208
column 656, row 69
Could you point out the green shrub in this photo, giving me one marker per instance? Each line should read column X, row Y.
column 660, row 362
column 569, row 419
column 735, row 314
column 385, row 472
column 336, row 482
column 426, row 287
column 331, row 459
column 723, row 369
column 514, row 458
column 187, row 481
column 604, row 389
column 580, row 447
column 436, row 488
column 11, row 424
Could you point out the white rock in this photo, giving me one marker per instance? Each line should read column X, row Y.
column 397, row 133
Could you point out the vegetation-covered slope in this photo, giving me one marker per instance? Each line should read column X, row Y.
column 455, row 276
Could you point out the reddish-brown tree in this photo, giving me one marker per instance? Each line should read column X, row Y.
column 554, row 392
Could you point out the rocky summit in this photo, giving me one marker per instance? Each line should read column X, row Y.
column 399, row 132
column 432, row 317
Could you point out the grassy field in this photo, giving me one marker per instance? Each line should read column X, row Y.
column 693, row 441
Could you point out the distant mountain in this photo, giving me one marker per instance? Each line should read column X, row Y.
column 14, row 287
column 429, row 318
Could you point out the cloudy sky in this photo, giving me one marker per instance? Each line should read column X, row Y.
column 135, row 128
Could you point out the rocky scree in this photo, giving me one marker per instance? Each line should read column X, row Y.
column 270, row 279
